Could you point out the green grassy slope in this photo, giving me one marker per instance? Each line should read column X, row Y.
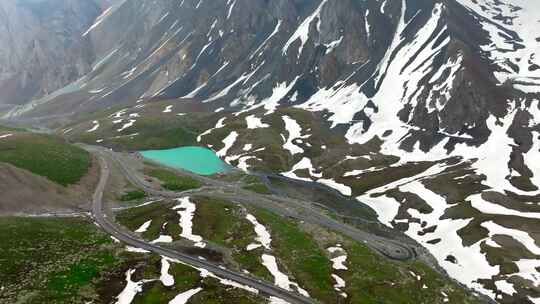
column 47, row 156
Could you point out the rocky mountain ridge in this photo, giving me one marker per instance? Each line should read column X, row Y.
column 429, row 109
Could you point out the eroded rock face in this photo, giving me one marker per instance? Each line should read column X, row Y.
column 41, row 49
column 440, row 99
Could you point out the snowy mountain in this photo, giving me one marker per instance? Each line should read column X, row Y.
column 425, row 110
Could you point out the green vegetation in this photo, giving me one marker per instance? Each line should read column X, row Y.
column 9, row 129
column 47, row 156
column 154, row 129
column 51, row 260
column 172, row 181
column 301, row 255
column 258, row 188
column 255, row 184
column 371, row 180
column 224, row 224
column 187, row 278
column 70, row 261
column 160, row 213
column 371, row 279
column 154, row 135
column 66, row 283
column 133, row 195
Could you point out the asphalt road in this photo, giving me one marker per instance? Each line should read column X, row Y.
column 111, row 228
column 285, row 206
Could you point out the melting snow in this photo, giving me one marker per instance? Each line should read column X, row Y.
column 280, row 279
column 163, row 239
column 99, row 20
column 136, row 250
column 95, row 127
column 295, row 132
column 344, row 189
column 168, row 109
column 305, row 163
column 520, row 236
column 130, row 291
column 184, row 297
column 166, row 278
column 186, row 209
column 504, row 286
column 144, row 227
column 302, row 32
column 229, row 142
column 339, row 261
column 263, row 236
column 205, row 273
column 127, row 125
column 255, row 122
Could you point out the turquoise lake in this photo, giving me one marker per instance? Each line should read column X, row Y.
column 198, row 160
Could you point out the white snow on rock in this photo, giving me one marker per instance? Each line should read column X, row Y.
column 119, row 114
column 229, row 142
column 260, row 49
column 274, row 300
column 302, row 32
column 340, row 284
column 205, row 273
column 163, row 239
column 338, row 263
column 520, row 236
column 528, row 270
column 130, row 291
column 184, row 297
column 471, row 263
column 166, row 278
column 168, row 109
column 514, row 56
column 128, row 73
column 532, row 157
column 95, row 127
column 271, row 103
column 136, row 250
column 305, row 163
column 5, row 136
column 344, row 189
column 218, row 125
column 255, row 123
column 144, row 227
column 280, row 279
column 386, row 207
column 99, row 20
column 127, row 125
column 186, row 209
column 242, row 163
column 295, row 132
column 490, row 208
column 263, row 236
column 506, row 287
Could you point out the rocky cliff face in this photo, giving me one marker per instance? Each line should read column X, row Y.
column 41, row 49
column 425, row 110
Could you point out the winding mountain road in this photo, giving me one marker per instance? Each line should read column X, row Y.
column 111, row 228
column 284, row 206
